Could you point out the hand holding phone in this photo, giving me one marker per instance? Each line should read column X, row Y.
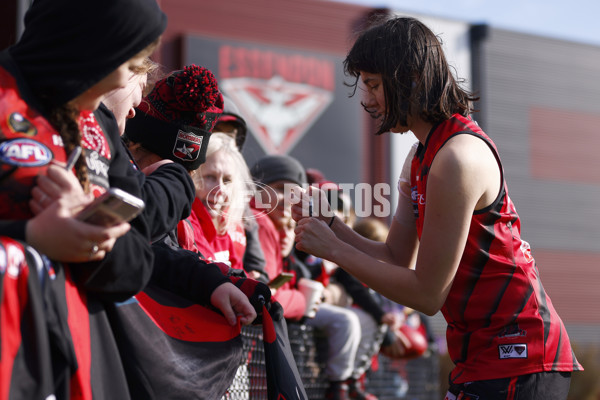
column 111, row 208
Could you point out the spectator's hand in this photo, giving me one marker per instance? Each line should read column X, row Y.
column 317, row 305
column 254, row 275
column 57, row 183
column 315, row 237
column 393, row 320
column 394, row 350
column 409, row 343
column 55, row 232
column 232, row 302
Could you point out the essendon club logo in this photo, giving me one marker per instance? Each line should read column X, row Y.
column 526, row 250
column 280, row 95
column 187, row 146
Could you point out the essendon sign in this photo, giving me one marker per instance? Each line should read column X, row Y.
column 293, row 99
column 281, row 95
column 242, row 62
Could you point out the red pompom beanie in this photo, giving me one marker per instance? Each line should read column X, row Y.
column 176, row 118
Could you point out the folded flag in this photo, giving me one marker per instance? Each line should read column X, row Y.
column 283, row 378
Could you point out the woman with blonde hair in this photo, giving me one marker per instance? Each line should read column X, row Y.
column 223, row 190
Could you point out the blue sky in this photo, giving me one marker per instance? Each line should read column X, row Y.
column 573, row 20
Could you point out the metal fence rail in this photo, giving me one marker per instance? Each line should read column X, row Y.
column 416, row 379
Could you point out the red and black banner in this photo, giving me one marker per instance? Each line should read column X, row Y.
column 175, row 349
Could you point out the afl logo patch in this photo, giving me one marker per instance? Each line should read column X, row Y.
column 24, row 153
column 18, row 123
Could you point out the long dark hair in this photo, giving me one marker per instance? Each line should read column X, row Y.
column 416, row 77
column 65, row 119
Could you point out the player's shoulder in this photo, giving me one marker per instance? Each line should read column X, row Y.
column 464, row 151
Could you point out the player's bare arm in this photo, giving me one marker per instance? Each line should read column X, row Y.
column 444, row 234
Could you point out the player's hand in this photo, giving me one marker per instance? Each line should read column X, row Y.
column 313, row 236
column 310, row 203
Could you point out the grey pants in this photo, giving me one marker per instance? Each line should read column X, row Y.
column 353, row 337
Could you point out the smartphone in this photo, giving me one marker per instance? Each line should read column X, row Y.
column 111, row 208
column 280, row 279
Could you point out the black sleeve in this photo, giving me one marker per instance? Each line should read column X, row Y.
column 359, row 293
column 168, row 193
column 315, row 266
column 183, row 272
column 293, row 264
column 254, row 257
column 127, row 268
column 13, row 229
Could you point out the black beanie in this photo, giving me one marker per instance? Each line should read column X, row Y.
column 70, row 45
column 278, row 168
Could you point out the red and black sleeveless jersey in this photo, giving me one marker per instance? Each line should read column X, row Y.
column 501, row 322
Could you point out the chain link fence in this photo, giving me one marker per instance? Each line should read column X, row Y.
column 416, row 379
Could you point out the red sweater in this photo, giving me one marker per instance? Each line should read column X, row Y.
column 290, row 298
column 198, row 233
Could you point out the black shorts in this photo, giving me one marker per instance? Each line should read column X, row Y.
column 543, row 385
